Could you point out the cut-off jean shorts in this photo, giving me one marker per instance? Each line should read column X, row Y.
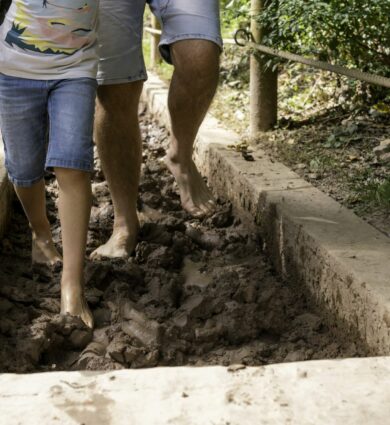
column 121, row 30
column 46, row 124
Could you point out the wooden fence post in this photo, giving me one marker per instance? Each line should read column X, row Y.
column 155, row 57
column 263, row 82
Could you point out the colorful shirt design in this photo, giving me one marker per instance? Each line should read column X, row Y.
column 40, row 29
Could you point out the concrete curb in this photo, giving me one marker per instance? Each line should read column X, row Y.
column 347, row 392
column 343, row 261
column 5, row 193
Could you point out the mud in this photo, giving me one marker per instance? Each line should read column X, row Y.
column 196, row 292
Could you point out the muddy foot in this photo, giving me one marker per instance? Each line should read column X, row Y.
column 121, row 244
column 75, row 334
column 195, row 196
column 44, row 253
column 74, row 303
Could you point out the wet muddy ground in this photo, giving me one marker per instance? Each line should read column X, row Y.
column 196, row 292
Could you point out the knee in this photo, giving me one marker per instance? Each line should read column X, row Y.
column 119, row 99
column 196, row 63
column 71, row 177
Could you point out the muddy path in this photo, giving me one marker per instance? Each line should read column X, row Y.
column 195, row 292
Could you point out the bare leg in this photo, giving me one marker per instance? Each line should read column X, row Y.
column 192, row 89
column 118, row 139
column 34, row 205
column 74, row 208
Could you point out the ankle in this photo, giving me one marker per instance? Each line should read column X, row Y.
column 41, row 231
column 180, row 163
column 125, row 226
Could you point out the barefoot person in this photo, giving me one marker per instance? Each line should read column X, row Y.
column 48, row 86
column 191, row 41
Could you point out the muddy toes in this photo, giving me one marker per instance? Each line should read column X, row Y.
column 74, row 330
column 46, row 269
column 109, row 251
column 44, row 252
column 120, row 245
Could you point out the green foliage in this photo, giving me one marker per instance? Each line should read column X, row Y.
column 373, row 190
column 235, row 13
column 383, row 194
column 342, row 136
column 353, row 32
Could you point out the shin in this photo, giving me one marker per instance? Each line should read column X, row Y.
column 74, row 209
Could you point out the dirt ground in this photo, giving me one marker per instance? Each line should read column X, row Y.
column 195, row 292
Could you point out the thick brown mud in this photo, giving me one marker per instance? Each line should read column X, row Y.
column 196, row 292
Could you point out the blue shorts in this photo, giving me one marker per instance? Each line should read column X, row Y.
column 46, row 124
column 121, row 30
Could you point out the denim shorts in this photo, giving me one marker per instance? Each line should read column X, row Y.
column 121, row 30
column 46, row 124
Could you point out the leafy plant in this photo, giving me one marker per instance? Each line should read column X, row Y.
column 233, row 10
column 353, row 32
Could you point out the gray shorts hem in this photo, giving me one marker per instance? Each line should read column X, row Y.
column 112, row 81
column 191, row 36
column 24, row 183
column 71, row 164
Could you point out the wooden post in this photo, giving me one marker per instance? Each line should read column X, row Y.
column 263, row 83
column 155, row 57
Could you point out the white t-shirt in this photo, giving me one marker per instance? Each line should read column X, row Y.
column 49, row 39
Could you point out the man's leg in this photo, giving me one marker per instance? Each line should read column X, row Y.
column 194, row 82
column 118, row 138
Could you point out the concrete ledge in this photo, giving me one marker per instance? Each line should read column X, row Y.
column 5, row 193
column 288, row 394
column 343, row 261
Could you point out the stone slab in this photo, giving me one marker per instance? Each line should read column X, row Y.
column 342, row 260
column 5, row 193
column 347, row 392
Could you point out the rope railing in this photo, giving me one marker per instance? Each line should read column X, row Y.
column 244, row 38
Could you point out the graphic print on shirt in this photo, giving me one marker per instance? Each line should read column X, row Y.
column 53, row 26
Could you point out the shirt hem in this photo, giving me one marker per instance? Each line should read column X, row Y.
column 44, row 77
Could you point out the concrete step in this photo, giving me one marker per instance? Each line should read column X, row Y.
column 343, row 261
column 347, row 392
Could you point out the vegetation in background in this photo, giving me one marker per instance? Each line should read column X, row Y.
column 353, row 32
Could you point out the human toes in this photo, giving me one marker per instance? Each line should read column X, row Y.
column 209, row 207
column 95, row 255
column 194, row 211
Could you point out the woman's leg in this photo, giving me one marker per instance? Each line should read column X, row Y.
column 23, row 123
column 74, row 205
column 34, row 204
column 70, row 153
